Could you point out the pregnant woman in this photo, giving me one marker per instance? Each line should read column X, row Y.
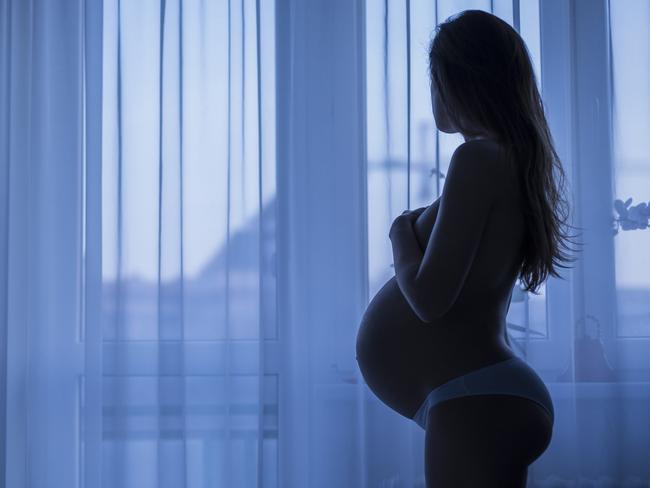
column 432, row 344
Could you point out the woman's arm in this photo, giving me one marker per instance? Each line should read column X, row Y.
column 431, row 280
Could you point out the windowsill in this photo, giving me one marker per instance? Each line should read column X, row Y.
column 596, row 390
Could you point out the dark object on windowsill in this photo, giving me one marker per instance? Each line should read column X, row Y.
column 589, row 358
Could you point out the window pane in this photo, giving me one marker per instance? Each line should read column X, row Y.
column 630, row 31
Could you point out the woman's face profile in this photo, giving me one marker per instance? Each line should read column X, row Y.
column 444, row 122
column 440, row 114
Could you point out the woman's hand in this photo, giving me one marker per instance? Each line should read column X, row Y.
column 405, row 221
column 407, row 252
column 414, row 214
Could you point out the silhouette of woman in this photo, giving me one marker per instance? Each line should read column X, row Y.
column 432, row 344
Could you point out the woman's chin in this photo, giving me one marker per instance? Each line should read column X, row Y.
column 447, row 130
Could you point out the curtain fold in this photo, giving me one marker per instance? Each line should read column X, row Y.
column 322, row 242
column 42, row 181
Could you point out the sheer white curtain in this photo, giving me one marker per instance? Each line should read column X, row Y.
column 587, row 334
column 188, row 234
column 169, row 318
column 47, row 132
column 138, row 244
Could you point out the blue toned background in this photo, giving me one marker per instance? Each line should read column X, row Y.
column 195, row 199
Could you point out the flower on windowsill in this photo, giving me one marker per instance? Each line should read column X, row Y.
column 631, row 218
column 433, row 171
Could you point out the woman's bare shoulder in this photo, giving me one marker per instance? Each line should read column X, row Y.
column 479, row 164
column 481, row 150
column 489, row 161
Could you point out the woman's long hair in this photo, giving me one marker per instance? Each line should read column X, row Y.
column 485, row 79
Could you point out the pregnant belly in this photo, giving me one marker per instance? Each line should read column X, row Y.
column 402, row 358
column 394, row 350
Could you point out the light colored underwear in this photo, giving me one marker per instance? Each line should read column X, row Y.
column 510, row 377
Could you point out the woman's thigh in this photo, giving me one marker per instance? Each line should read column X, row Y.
column 484, row 441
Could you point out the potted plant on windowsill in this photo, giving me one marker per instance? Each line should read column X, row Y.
column 630, row 218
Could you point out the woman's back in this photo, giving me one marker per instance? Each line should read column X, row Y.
column 484, row 297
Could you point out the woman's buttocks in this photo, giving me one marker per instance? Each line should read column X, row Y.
column 402, row 358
